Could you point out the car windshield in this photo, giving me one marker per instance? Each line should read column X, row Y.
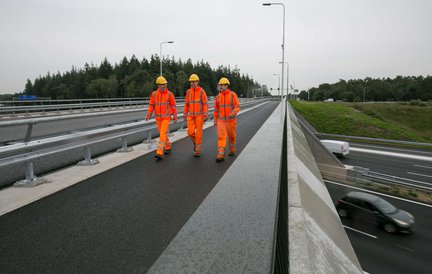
column 384, row 206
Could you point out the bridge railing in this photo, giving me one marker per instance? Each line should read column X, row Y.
column 81, row 105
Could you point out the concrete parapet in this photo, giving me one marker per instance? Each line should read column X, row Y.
column 317, row 241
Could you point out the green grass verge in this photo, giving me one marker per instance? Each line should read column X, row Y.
column 387, row 121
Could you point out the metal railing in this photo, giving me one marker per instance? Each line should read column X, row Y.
column 29, row 151
column 80, row 105
column 396, row 180
column 359, row 138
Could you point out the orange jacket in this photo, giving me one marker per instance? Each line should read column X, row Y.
column 163, row 103
column 196, row 103
column 227, row 105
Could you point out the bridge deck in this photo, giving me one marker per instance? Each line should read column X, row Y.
column 122, row 219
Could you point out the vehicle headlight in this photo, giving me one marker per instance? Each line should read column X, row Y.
column 401, row 223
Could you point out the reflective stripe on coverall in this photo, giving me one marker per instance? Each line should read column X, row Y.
column 196, row 107
column 227, row 106
column 164, row 106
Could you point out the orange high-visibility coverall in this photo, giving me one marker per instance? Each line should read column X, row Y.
column 226, row 108
column 196, row 110
column 164, row 105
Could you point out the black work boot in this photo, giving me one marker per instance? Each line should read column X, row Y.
column 158, row 157
column 220, row 159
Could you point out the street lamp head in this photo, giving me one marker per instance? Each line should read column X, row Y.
column 170, row 42
column 266, row 4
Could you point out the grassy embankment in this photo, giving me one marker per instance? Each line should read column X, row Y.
column 387, row 121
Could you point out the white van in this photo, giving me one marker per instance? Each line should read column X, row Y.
column 339, row 148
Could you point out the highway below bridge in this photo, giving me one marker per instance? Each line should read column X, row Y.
column 378, row 251
column 384, row 253
column 121, row 220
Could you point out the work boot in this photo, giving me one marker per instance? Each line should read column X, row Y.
column 158, row 157
column 220, row 159
column 168, row 151
column 231, row 153
column 197, row 153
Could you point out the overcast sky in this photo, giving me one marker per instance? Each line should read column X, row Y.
column 325, row 40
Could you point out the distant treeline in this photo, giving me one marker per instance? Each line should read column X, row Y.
column 385, row 89
column 135, row 78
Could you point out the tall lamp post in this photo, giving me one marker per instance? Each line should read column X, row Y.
column 287, row 77
column 283, row 40
column 275, row 74
column 160, row 56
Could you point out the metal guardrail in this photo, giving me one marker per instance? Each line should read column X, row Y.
column 373, row 139
column 30, row 122
column 70, row 107
column 27, row 152
column 12, row 110
column 51, row 101
column 395, row 180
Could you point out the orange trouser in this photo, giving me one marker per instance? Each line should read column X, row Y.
column 224, row 128
column 164, row 142
column 195, row 130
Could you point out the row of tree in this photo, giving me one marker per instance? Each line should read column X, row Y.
column 135, row 78
column 385, row 89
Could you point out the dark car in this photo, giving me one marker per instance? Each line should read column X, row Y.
column 364, row 205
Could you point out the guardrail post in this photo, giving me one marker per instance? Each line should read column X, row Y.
column 149, row 141
column 30, row 179
column 169, row 134
column 124, row 147
column 183, row 127
column 28, row 133
column 88, row 161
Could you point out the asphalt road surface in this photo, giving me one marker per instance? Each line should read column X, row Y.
column 121, row 220
column 380, row 252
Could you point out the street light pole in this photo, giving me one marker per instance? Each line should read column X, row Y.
column 275, row 74
column 283, row 41
column 287, row 83
column 160, row 56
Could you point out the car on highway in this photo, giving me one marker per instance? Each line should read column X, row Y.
column 365, row 205
column 339, row 148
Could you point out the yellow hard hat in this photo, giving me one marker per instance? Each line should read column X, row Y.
column 223, row 81
column 194, row 78
column 161, row 81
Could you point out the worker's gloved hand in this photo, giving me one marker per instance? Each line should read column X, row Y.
column 232, row 114
column 215, row 121
column 205, row 117
column 185, row 118
column 175, row 118
column 147, row 117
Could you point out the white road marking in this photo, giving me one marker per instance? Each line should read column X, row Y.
column 381, row 194
column 419, row 174
column 406, row 248
column 423, row 166
column 361, row 232
column 393, row 154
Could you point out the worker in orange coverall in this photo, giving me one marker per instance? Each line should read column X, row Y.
column 195, row 112
column 226, row 108
column 162, row 102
